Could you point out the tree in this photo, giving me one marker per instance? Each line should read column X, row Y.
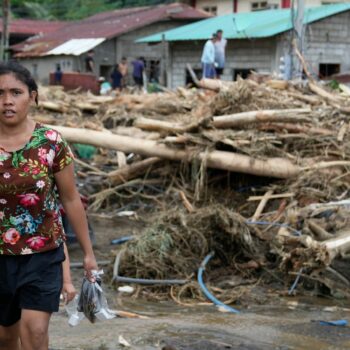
column 72, row 9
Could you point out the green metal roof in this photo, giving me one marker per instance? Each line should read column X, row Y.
column 259, row 24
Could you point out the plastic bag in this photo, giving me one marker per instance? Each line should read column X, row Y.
column 72, row 310
column 91, row 303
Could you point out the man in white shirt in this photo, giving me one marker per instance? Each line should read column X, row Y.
column 220, row 46
column 208, row 58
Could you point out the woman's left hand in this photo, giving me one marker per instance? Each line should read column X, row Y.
column 89, row 266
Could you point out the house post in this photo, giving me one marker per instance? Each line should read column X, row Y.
column 164, row 63
column 5, row 30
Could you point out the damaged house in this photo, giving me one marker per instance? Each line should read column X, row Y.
column 110, row 34
column 258, row 40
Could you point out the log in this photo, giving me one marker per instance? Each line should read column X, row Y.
column 305, row 98
column 323, row 93
column 279, row 127
column 121, row 159
column 129, row 172
column 271, row 196
column 160, row 125
column 277, row 84
column 136, row 133
column 272, row 167
column 228, row 121
column 214, row 84
column 86, row 106
column 186, row 202
column 315, row 253
column 53, row 106
column 319, row 232
column 302, row 61
column 262, row 205
column 283, row 115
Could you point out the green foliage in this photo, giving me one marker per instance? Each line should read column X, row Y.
column 71, row 9
column 333, row 84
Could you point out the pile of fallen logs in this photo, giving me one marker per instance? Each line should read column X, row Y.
column 293, row 136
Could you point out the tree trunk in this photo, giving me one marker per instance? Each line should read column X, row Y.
column 273, row 167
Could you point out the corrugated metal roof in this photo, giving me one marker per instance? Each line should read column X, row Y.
column 259, row 24
column 76, row 46
column 107, row 25
column 32, row 26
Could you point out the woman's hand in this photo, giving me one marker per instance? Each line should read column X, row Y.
column 90, row 265
column 68, row 292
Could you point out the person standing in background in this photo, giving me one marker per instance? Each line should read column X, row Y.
column 208, row 58
column 116, row 77
column 220, row 47
column 123, row 69
column 89, row 62
column 58, row 74
column 137, row 73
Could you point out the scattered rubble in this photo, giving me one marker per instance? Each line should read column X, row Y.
column 256, row 171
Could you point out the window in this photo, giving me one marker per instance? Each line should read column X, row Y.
column 259, row 5
column 211, row 9
column 243, row 73
column 189, row 80
column 328, row 69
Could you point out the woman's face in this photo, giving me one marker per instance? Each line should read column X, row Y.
column 15, row 100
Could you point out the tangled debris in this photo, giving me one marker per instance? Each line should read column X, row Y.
column 179, row 154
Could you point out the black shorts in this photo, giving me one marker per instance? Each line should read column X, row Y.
column 32, row 282
column 219, row 71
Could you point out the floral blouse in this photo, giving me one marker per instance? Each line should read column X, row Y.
column 30, row 220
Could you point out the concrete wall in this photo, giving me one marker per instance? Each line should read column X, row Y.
column 105, row 56
column 327, row 41
column 240, row 54
column 226, row 6
column 223, row 6
column 127, row 47
column 42, row 67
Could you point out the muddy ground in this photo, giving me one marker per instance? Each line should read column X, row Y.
column 286, row 323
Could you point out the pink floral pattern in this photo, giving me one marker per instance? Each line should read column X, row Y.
column 11, row 236
column 28, row 199
column 36, row 243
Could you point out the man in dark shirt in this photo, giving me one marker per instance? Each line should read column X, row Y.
column 137, row 74
column 89, row 62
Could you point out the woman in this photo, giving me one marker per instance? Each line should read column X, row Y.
column 34, row 161
column 116, row 77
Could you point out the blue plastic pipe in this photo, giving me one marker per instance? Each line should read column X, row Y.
column 206, row 291
column 121, row 240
